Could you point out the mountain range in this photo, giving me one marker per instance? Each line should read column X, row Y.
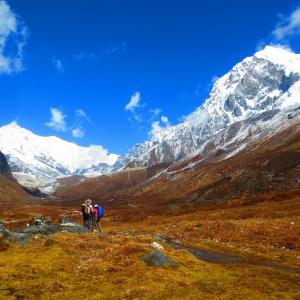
column 247, row 104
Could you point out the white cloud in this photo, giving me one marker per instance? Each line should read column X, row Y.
column 80, row 113
column 13, row 36
column 115, row 48
column 288, row 26
column 95, row 153
column 155, row 128
column 81, row 55
column 58, row 64
column 158, row 126
column 57, row 121
column 155, row 112
column 134, row 102
column 80, row 118
column 78, row 133
column 165, row 120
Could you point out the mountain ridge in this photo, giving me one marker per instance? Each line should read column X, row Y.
column 268, row 81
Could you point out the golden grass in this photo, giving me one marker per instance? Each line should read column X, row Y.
column 70, row 266
column 87, row 266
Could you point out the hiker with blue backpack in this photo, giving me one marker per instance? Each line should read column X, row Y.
column 98, row 214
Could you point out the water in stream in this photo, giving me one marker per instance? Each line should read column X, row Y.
column 230, row 259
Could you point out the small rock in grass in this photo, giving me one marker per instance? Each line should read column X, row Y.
column 157, row 246
column 4, row 231
column 73, row 227
column 157, row 259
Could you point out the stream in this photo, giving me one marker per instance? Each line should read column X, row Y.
column 231, row 259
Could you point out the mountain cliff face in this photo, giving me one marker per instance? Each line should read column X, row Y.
column 269, row 81
column 10, row 190
column 4, row 167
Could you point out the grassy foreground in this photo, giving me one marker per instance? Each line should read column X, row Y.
column 88, row 266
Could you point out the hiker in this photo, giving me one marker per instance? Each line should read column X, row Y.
column 85, row 209
column 100, row 214
column 87, row 212
column 95, row 218
column 91, row 220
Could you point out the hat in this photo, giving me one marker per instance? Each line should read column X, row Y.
column 88, row 201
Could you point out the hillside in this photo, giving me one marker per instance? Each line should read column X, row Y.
column 10, row 191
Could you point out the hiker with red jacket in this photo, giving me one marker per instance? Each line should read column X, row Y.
column 95, row 217
column 98, row 215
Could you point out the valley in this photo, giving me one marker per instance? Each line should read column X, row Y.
column 214, row 201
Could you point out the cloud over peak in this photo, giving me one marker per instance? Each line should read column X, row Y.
column 288, row 26
column 134, row 102
column 57, row 120
column 78, row 132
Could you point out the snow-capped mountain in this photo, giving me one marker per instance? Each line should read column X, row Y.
column 34, row 158
column 267, row 81
column 255, row 90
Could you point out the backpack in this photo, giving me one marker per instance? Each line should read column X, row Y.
column 100, row 212
column 95, row 212
column 85, row 209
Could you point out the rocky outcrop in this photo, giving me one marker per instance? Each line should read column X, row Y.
column 4, row 167
column 39, row 226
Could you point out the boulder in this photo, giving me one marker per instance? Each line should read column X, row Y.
column 19, row 237
column 40, row 226
column 4, row 232
column 66, row 224
column 157, row 259
column 40, row 229
column 73, row 227
column 65, row 220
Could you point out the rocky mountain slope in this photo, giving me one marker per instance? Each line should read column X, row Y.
column 252, row 168
column 269, row 81
column 250, row 124
column 4, row 167
column 10, row 190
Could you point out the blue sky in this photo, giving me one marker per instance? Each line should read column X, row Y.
column 107, row 71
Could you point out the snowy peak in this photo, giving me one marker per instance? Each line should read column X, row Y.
column 269, row 81
column 289, row 60
column 264, row 84
column 48, row 156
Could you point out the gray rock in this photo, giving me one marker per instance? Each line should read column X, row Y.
column 18, row 237
column 65, row 220
column 4, row 231
column 4, row 167
column 73, row 227
column 40, row 229
column 157, row 259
